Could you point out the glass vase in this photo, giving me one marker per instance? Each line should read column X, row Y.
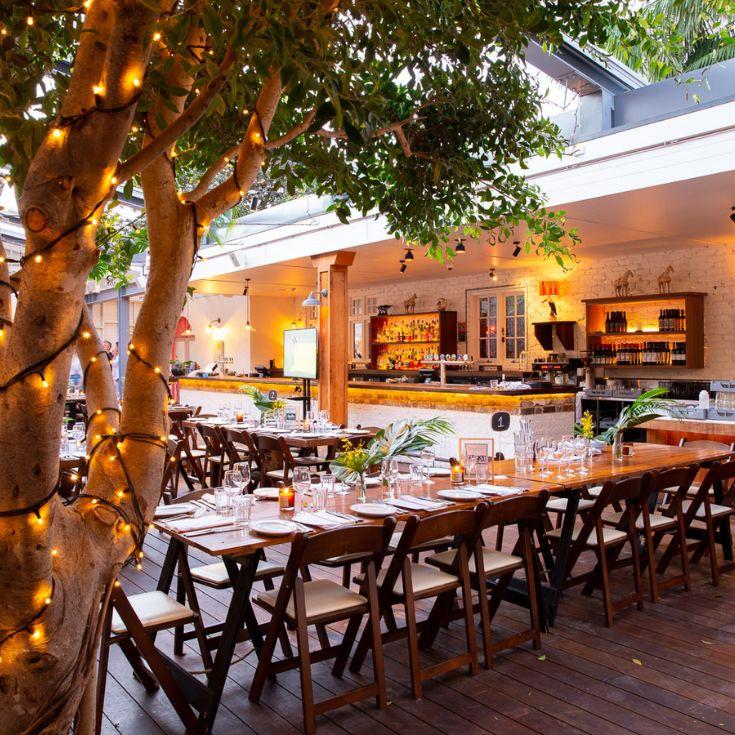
column 360, row 487
column 617, row 447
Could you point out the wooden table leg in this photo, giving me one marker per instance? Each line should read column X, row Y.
column 239, row 612
column 559, row 570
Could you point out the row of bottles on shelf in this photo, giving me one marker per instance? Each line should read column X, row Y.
column 644, row 353
column 405, row 358
column 408, row 330
column 669, row 320
column 672, row 320
column 616, row 322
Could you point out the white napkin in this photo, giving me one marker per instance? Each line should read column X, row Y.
column 320, row 519
column 498, row 489
column 166, row 511
column 372, row 481
column 210, row 520
column 439, row 471
column 410, row 502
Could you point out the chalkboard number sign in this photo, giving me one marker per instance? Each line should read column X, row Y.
column 272, row 395
column 501, row 421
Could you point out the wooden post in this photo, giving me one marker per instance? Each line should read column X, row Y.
column 333, row 332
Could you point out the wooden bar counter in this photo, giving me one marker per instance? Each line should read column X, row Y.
column 671, row 431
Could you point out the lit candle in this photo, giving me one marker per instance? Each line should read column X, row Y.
column 286, row 498
column 457, row 473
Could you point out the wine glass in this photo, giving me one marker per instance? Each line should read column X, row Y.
column 244, row 469
column 544, row 451
column 233, row 482
column 470, row 462
column 428, row 455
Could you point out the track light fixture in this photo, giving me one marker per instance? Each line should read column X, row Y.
column 493, row 275
column 460, row 248
column 732, row 214
column 408, row 255
column 403, row 265
column 517, row 250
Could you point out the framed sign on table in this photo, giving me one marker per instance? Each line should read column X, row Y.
column 481, row 450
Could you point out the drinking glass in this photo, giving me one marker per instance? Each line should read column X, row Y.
column 302, row 482
column 470, row 465
column 233, row 481
column 242, row 508
column 544, row 451
column 244, row 469
column 417, row 476
column 428, row 456
column 327, row 483
column 221, row 501
column 318, row 496
column 481, row 472
column 582, row 449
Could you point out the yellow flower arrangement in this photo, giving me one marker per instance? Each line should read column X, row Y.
column 587, row 425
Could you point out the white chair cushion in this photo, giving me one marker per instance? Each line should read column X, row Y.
column 559, row 505
column 423, row 579
column 594, row 491
column 153, row 609
column 494, row 562
column 216, row 573
column 322, row 598
column 658, row 521
column 717, row 510
column 610, row 536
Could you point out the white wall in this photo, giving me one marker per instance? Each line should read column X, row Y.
column 709, row 268
column 268, row 315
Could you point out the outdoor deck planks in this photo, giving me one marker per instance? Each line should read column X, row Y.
column 587, row 678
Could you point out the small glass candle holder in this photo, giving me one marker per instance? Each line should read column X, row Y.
column 457, row 474
column 287, row 498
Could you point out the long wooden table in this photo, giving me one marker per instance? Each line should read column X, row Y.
column 241, row 550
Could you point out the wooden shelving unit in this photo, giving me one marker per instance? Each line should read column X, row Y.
column 545, row 331
column 443, row 325
column 692, row 302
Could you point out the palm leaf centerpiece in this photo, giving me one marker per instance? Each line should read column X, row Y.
column 264, row 404
column 398, row 439
column 647, row 406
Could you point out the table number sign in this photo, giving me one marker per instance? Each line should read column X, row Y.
column 500, row 421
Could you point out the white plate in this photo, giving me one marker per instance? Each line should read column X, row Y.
column 273, row 528
column 166, row 511
column 266, row 493
column 459, row 494
column 373, row 510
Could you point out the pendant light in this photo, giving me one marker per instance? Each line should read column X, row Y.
column 460, row 248
column 248, row 326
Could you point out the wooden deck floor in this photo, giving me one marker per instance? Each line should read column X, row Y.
column 668, row 669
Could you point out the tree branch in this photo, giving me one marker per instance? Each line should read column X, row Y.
column 251, row 155
column 210, row 174
column 186, row 120
column 295, row 131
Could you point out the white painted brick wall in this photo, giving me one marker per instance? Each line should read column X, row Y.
column 707, row 268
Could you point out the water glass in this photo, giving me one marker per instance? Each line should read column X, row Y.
column 302, row 481
column 417, row 476
column 328, row 485
column 242, row 507
column 481, row 472
column 318, row 496
column 470, row 467
column 233, row 482
column 222, row 501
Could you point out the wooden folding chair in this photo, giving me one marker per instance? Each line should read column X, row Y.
column 302, row 602
column 404, row 582
column 668, row 523
column 707, row 520
column 492, row 571
column 607, row 543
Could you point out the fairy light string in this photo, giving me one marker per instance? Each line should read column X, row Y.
column 27, row 626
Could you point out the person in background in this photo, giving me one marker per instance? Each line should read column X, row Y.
column 107, row 346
